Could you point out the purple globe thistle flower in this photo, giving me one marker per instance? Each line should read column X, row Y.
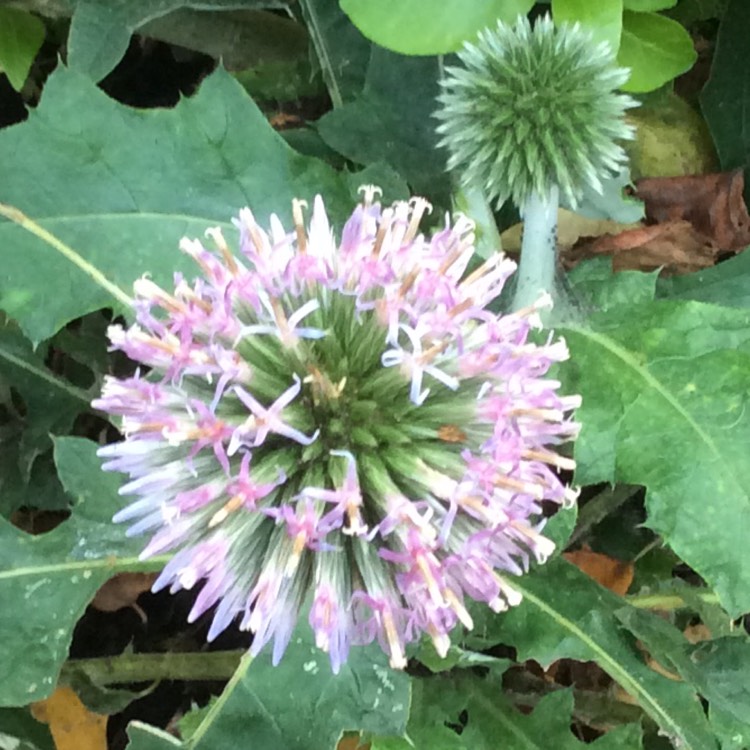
column 345, row 427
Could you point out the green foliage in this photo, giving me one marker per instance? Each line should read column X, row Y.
column 428, row 27
column 655, row 48
column 663, row 365
column 21, row 36
column 391, row 122
column 213, row 154
column 726, row 284
column 724, row 98
column 487, row 715
column 662, row 407
column 564, row 614
column 301, row 705
column 51, row 578
column 603, row 20
column 100, row 30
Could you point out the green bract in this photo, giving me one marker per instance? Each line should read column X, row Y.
column 532, row 108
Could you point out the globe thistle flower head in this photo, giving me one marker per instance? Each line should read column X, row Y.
column 339, row 427
column 534, row 108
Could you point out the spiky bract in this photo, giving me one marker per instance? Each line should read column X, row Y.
column 534, row 107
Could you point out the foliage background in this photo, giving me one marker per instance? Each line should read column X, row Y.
column 124, row 135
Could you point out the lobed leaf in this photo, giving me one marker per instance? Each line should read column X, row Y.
column 664, row 387
column 565, row 614
column 49, row 579
column 122, row 186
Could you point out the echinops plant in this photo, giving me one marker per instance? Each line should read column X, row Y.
column 533, row 115
column 340, row 426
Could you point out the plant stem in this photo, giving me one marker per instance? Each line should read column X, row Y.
column 601, row 506
column 124, row 668
column 670, row 601
column 536, row 270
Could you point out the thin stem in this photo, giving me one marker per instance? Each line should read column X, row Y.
column 536, row 270
column 126, row 668
column 599, row 507
column 20, row 218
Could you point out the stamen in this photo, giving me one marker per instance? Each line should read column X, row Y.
column 253, row 230
column 418, row 207
column 383, row 227
column 398, row 659
column 368, row 193
column 299, row 224
column 229, row 507
column 533, row 489
column 215, row 234
column 568, row 464
column 455, row 604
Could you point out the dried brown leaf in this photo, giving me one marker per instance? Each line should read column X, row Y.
column 712, row 203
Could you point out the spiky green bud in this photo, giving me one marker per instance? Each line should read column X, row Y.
column 532, row 108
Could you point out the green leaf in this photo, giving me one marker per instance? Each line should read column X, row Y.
column 478, row 706
column 603, row 19
column 726, row 283
column 391, row 122
column 20, row 731
column 21, row 36
column 98, row 160
column 342, row 52
column 145, row 737
column 716, row 669
column 725, row 97
column 100, row 30
column 565, row 614
column 43, row 403
column 721, row 668
column 645, row 6
column 49, row 579
column 611, row 202
column 301, row 705
column 599, row 289
column 255, row 41
column 664, row 390
column 429, row 27
column 655, row 48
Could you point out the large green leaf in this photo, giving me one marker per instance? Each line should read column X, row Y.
column 726, row 95
column 665, row 387
column 46, row 581
column 565, row 614
column 122, row 186
column 300, row 704
column 429, row 27
column 100, row 30
column 726, row 283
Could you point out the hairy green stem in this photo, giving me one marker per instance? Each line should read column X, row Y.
column 125, row 668
column 536, row 270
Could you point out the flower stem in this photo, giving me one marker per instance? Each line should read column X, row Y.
column 536, row 270
column 124, row 668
